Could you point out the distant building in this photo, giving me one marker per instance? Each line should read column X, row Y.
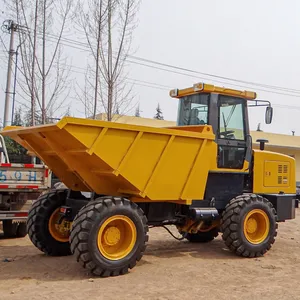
column 137, row 120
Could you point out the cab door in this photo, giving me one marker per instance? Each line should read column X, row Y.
column 233, row 134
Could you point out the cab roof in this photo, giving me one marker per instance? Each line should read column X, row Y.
column 201, row 88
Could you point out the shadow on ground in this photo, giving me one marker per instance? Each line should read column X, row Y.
column 172, row 248
column 25, row 262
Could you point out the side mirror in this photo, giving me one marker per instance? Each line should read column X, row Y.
column 269, row 115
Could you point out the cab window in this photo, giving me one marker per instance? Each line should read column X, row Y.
column 193, row 110
column 231, row 118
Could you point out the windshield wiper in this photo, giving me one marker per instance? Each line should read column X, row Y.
column 230, row 114
column 225, row 125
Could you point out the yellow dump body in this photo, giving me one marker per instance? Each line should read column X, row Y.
column 145, row 163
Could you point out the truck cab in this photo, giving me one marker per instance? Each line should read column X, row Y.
column 252, row 171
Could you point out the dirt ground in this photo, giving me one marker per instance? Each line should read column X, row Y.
column 169, row 270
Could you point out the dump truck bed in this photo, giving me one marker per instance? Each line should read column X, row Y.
column 158, row 164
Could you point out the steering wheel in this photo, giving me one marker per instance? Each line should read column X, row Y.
column 226, row 133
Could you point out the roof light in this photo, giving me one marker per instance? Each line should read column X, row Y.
column 174, row 93
column 198, row 86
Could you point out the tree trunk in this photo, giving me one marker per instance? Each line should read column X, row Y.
column 43, row 66
column 97, row 61
column 109, row 65
column 33, row 66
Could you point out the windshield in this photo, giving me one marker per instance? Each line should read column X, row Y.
column 193, row 110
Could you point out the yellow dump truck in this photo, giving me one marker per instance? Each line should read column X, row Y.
column 202, row 176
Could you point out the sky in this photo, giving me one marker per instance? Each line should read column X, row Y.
column 252, row 41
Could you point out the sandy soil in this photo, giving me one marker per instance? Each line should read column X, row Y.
column 169, row 270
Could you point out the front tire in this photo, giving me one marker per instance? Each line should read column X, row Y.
column 109, row 236
column 41, row 224
column 249, row 225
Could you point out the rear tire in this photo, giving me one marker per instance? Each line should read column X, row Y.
column 9, row 228
column 202, row 237
column 38, row 227
column 109, row 236
column 249, row 225
column 21, row 230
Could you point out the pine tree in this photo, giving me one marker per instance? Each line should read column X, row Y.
column 12, row 146
column 258, row 127
column 17, row 121
column 137, row 112
column 159, row 114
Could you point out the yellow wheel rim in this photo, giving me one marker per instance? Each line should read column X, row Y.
column 59, row 232
column 256, row 226
column 116, row 237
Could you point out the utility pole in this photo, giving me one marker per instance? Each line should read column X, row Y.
column 11, row 27
column 43, row 66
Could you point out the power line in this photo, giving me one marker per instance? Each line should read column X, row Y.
column 86, row 47
column 203, row 78
column 192, row 76
column 71, row 43
column 167, row 88
column 212, row 75
column 184, row 74
column 162, row 87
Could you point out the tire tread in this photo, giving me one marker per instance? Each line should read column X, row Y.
column 230, row 225
column 35, row 225
column 83, row 224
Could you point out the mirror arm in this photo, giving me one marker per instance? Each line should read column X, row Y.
column 259, row 103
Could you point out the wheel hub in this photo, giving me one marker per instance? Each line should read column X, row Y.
column 251, row 225
column 112, row 236
column 60, row 231
column 256, row 226
column 116, row 237
column 63, row 228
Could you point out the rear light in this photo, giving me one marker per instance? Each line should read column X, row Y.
column 174, row 93
column 21, row 214
column 63, row 210
column 13, row 214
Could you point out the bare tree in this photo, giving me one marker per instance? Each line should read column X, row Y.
column 108, row 26
column 86, row 95
column 44, row 82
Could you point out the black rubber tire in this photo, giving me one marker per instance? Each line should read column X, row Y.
column 37, row 224
column 232, row 224
column 21, row 230
column 9, row 228
column 85, row 230
column 202, row 237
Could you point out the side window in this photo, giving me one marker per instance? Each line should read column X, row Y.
column 231, row 133
column 193, row 110
column 199, row 114
column 231, row 119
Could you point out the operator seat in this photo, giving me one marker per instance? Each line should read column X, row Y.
column 194, row 120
